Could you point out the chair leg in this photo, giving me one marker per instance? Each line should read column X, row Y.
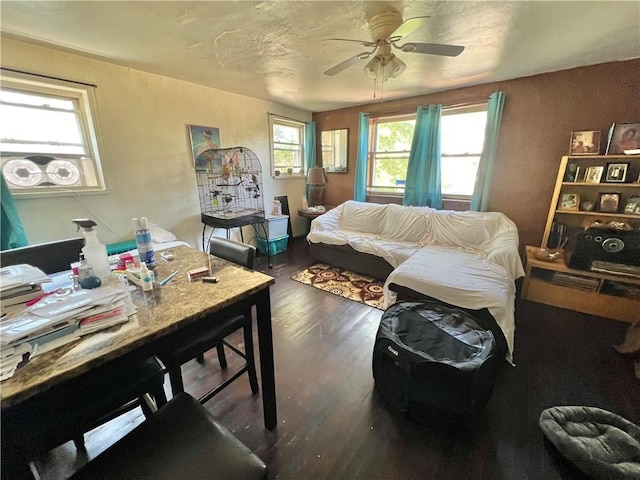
column 175, row 378
column 222, row 358
column 251, row 361
column 200, row 359
column 159, row 396
column 79, row 442
column 148, row 405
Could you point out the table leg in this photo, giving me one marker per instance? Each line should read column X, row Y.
column 267, row 373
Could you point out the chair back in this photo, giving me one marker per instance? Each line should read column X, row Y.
column 236, row 252
column 50, row 257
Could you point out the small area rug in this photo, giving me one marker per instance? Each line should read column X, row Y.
column 344, row 283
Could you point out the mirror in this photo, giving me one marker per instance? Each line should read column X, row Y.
column 334, row 150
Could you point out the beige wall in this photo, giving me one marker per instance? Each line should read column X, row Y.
column 146, row 154
column 540, row 112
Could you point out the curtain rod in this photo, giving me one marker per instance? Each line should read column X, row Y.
column 411, row 112
column 467, row 104
column 49, row 77
column 287, row 118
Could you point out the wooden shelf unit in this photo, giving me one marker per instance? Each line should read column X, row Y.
column 591, row 191
column 553, row 283
column 613, row 296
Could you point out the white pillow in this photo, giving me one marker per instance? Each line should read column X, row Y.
column 160, row 235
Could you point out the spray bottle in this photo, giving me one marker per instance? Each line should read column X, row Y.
column 94, row 251
column 143, row 241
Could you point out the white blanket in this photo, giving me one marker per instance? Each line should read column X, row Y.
column 468, row 259
column 462, row 278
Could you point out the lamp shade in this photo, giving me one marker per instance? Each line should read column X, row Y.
column 315, row 176
column 373, row 68
column 395, row 67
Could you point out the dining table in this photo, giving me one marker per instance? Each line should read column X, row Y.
column 163, row 314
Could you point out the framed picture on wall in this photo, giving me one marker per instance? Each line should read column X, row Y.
column 585, row 142
column 203, row 141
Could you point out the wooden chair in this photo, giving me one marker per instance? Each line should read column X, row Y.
column 194, row 346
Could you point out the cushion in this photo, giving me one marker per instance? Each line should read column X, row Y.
column 363, row 217
column 600, row 443
column 406, row 223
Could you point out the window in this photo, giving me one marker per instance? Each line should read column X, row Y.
column 390, row 145
column 462, row 139
column 391, row 139
column 287, row 147
column 48, row 142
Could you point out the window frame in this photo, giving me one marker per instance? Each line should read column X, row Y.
column 287, row 122
column 459, row 110
column 373, row 127
column 83, row 97
column 375, row 121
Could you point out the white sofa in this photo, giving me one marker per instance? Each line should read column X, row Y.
column 467, row 259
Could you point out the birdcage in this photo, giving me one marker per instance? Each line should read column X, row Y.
column 230, row 187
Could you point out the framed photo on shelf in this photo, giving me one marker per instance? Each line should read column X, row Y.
column 594, row 174
column 609, row 202
column 624, row 138
column 633, row 204
column 581, row 175
column 616, row 172
column 569, row 201
column 586, row 142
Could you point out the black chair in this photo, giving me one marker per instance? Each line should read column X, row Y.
column 92, row 399
column 50, row 257
column 194, row 346
column 182, row 440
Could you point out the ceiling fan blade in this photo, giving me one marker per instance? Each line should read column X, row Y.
column 432, row 48
column 347, row 63
column 364, row 43
column 408, row 26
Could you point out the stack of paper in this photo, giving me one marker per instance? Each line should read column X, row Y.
column 59, row 319
column 20, row 284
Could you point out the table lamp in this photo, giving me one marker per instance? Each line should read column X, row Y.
column 316, row 180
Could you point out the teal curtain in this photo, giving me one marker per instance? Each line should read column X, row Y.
column 13, row 235
column 362, row 154
column 484, row 177
column 423, row 185
column 310, row 150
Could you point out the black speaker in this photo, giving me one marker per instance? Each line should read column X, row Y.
column 607, row 245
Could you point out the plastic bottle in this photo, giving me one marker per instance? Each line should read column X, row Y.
column 84, row 269
column 143, row 241
column 94, row 251
column 305, row 204
column 146, row 278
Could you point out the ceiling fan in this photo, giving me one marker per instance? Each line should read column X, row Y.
column 387, row 30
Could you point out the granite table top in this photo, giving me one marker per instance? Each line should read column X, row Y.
column 160, row 312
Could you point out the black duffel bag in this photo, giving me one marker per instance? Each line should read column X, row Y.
column 433, row 361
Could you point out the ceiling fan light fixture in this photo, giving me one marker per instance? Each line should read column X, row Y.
column 374, row 69
column 395, row 67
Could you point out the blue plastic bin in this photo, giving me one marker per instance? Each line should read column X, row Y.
column 275, row 245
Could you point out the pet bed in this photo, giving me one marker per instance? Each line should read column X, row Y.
column 600, row 443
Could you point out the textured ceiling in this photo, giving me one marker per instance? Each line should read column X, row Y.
column 273, row 50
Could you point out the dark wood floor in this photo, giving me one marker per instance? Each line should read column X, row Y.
column 333, row 425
